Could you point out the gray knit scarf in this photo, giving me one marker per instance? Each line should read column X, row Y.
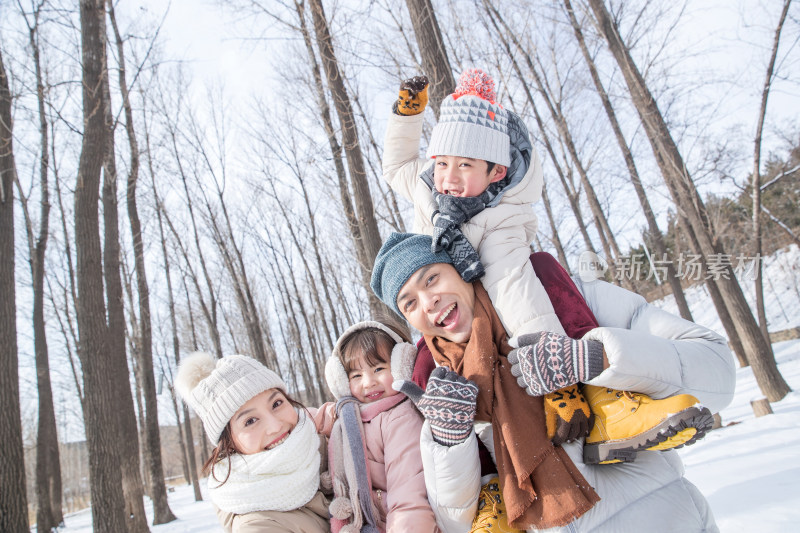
column 453, row 211
column 347, row 409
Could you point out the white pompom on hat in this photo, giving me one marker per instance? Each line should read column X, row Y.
column 403, row 357
column 216, row 388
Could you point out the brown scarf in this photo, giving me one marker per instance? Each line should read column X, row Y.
column 541, row 485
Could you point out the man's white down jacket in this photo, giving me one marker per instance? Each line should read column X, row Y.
column 649, row 351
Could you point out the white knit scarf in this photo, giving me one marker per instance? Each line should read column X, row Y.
column 281, row 479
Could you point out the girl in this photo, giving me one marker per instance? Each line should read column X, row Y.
column 374, row 445
column 264, row 473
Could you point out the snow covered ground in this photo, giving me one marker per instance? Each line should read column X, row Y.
column 749, row 469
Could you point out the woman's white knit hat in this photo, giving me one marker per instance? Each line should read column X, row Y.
column 216, row 388
column 403, row 357
column 471, row 124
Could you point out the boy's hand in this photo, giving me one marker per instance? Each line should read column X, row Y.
column 547, row 361
column 448, row 404
column 413, row 96
column 567, row 415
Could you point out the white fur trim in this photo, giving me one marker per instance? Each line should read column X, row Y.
column 193, row 369
column 403, row 357
column 336, row 377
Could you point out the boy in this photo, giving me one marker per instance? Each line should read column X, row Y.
column 476, row 194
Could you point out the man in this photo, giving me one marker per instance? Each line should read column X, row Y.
column 642, row 349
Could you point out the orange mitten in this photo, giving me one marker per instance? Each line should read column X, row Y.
column 413, row 96
column 567, row 415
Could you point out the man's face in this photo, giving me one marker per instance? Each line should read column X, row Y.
column 437, row 302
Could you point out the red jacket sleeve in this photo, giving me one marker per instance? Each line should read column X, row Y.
column 568, row 303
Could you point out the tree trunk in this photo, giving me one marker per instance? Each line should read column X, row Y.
column 687, row 200
column 370, row 238
column 100, row 373
column 572, row 194
column 719, row 303
column 48, row 468
column 158, row 491
column 127, row 428
column 210, row 310
column 187, row 423
column 335, row 147
column 607, row 239
column 13, row 498
column 433, row 52
column 652, row 224
column 562, row 256
column 756, row 183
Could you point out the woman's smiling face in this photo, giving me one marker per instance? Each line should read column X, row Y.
column 263, row 422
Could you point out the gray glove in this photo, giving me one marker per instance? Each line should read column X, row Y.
column 448, row 404
column 547, row 361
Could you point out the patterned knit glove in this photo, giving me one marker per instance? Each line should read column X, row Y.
column 448, row 404
column 547, row 361
column 567, row 415
column 413, row 96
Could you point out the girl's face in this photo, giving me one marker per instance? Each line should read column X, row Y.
column 263, row 423
column 369, row 383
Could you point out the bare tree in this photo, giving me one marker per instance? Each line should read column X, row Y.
column 129, row 440
column 157, row 490
column 756, row 180
column 691, row 207
column 13, row 498
column 369, row 241
column 432, row 49
column 187, row 425
column 223, row 235
column 49, row 513
column 652, row 224
column 554, row 105
column 565, row 176
column 99, row 372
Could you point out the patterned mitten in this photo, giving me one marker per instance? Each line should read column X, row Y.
column 448, row 404
column 413, row 96
column 567, row 415
column 547, row 361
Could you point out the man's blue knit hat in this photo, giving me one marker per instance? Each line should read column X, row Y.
column 400, row 256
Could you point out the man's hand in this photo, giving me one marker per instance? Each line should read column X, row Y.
column 567, row 415
column 547, row 361
column 448, row 404
column 413, row 96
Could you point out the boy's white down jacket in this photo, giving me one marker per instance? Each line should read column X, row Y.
column 649, row 351
column 501, row 234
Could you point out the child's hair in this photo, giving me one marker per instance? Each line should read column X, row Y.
column 365, row 343
column 226, row 448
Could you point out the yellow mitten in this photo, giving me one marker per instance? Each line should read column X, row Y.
column 413, row 96
column 567, row 415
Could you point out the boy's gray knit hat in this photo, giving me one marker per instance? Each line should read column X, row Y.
column 216, row 388
column 471, row 124
column 400, row 256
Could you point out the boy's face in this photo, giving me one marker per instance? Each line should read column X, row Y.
column 437, row 302
column 464, row 176
column 370, row 383
column 263, row 423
